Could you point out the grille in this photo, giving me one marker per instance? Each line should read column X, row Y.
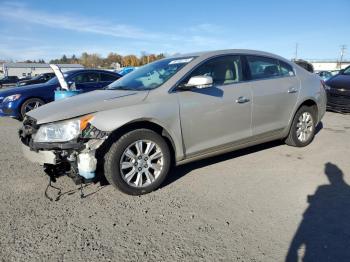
column 338, row 99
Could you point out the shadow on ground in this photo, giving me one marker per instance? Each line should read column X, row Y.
column 324, row 232
column 180, row 171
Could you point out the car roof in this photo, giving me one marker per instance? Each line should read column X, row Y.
column 229, row 51
column 89, row 70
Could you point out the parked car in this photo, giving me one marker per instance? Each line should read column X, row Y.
column 16, row 102
column 304, row 64
column 8, row 80
column 334, row 72
column 325, row 75
column 338, row 92
column 42, row 78
column 126, row 70
column 174, row 111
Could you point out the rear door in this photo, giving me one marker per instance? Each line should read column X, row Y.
column 275, row 91
column 217, row 116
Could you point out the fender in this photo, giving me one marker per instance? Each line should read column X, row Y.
column 149, row 111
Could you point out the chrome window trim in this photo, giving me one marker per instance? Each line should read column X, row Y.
column 174, row 89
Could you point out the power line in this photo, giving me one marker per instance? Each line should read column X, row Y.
column 296, row 50
column 342, row 53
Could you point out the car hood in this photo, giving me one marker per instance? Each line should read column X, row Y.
column 339, row 82
column 87, row 103
column 19, row 90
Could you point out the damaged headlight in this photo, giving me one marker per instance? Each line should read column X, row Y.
column 61, row 131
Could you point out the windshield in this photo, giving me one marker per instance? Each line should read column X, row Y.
column 36, row 77
column 152, row 75
column 347, row 71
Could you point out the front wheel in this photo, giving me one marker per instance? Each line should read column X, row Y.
column 30, row 104
column 138, row 162
column 302, row 131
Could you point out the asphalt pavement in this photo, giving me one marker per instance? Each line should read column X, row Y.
column 265, row 203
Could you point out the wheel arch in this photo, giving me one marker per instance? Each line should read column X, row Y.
column 19, row 108
column 310, row 102
column 148, row 124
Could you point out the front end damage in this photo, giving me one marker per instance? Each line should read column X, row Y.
column 75, row 158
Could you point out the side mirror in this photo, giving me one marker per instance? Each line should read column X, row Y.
column 341, row 71
column 200, row 82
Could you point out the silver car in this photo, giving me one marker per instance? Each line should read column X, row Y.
column 174, row 111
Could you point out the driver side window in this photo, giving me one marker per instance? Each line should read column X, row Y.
column 224, row 70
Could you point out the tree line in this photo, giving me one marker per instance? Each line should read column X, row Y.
column 95, row 60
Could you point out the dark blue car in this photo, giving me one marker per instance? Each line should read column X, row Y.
column 16, row 102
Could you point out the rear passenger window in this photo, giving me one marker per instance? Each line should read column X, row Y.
column 86, row 78
column 224, row 70
column 263, row 67
column 286, row 69
column 108, row 78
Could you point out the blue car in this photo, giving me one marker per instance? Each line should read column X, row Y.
column 16, row 102
column 126, row 70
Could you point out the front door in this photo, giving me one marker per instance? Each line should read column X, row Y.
column 215, row 117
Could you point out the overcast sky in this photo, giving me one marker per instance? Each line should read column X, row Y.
column 48, row 29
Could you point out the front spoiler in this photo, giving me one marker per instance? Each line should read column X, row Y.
column 338, row 109
column 41, row 157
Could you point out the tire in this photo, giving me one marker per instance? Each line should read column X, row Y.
column 32, row 101
column 119, row 152
column 297, row 137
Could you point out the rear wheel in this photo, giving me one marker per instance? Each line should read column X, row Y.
column 138, row 162
column 302, row 131
column 30, row 104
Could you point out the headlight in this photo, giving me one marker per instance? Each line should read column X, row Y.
column 11, row 98
column 62, row 131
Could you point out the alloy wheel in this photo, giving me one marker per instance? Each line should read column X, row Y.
column 32, row 105
column 305, row 127
column 141, row 163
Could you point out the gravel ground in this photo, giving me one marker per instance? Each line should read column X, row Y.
column 242, row 206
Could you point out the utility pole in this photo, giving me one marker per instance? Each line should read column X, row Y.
column 296, row 50
column 342, row 53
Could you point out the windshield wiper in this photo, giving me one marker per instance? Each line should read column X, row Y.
column 124, row 88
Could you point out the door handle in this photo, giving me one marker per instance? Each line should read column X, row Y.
column 292, row 90
column 242, row 100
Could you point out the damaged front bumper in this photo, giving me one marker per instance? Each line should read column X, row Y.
column 77, row 158
column 41, row 157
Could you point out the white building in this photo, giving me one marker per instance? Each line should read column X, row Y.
column 328, row 65
column 32, row 69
